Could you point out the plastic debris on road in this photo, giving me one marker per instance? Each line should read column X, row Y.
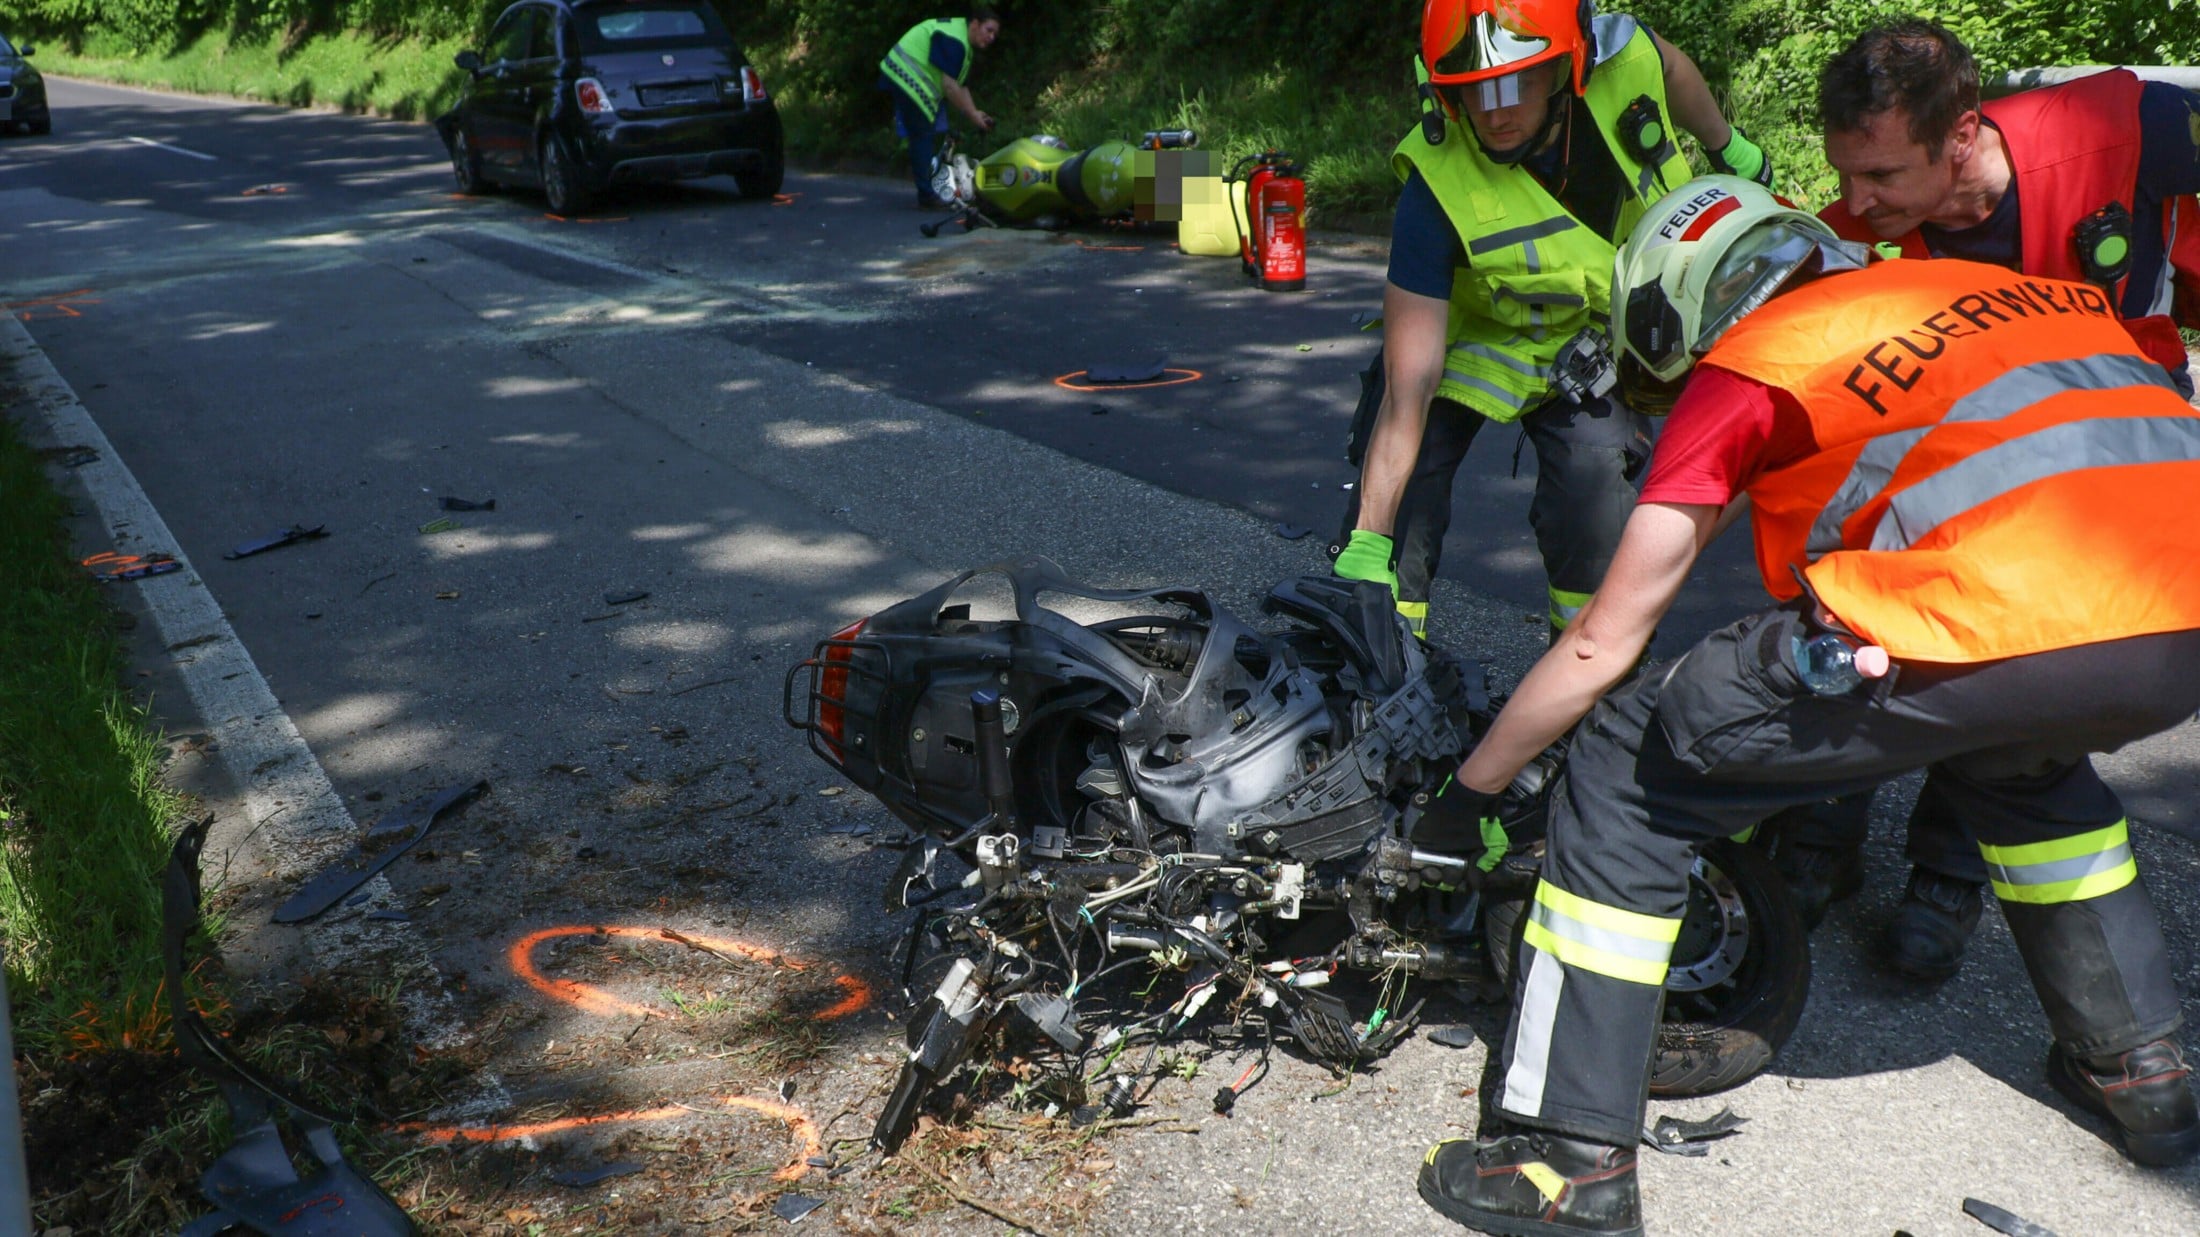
column 793, row 1207
column 278, row 539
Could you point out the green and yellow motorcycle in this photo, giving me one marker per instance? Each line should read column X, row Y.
column 1040, row 182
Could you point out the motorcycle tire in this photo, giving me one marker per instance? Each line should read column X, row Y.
column 1726, row 1015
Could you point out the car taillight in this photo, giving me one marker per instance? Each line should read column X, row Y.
column 590, row 93
column 832, row 685
column 752, row 86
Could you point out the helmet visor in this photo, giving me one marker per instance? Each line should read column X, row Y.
column 1749, row 272
column 1488, row 47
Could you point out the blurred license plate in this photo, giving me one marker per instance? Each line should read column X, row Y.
column 666, row 96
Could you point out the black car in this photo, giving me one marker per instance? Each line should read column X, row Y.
column 22, row 92
column 577, row 95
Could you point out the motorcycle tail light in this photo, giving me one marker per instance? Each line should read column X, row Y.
column 590, row 94
column 832, row 686
column 752, row 86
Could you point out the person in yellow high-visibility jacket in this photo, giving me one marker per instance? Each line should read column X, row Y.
column 924, row 71
column 1546, row 130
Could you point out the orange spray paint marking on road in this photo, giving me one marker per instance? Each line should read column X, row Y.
column 571, row 219
column 796, row 1120
column 597, row 1001
column 1169, row 378
column 48, row 307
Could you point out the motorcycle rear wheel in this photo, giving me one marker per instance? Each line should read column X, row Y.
column 1740, row 975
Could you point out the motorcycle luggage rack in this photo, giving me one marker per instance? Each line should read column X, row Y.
column 897, row 789
column 821, row 662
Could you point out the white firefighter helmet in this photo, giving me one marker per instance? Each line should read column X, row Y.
column 1704, row 256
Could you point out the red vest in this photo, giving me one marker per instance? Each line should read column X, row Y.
column 2073, row 149
column 1998, row 469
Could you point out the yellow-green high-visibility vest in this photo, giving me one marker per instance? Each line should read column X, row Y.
column 909, row 65
column 1536, row 276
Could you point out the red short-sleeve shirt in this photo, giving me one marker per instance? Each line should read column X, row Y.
column 1722, row 433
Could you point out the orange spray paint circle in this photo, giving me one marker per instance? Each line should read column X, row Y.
column 1079, row 381
column 595, row 1000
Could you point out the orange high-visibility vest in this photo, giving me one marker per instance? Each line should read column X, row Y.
column 1999, row 469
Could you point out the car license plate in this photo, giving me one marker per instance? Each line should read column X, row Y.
column 667, row 96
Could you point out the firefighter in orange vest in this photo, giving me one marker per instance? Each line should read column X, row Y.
column 2093, row 182
column 1973, row 495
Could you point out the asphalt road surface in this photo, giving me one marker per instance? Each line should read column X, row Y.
column 774, row 418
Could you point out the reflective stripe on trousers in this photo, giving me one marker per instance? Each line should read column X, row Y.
column 1566, row 607
column 1564, row 933
column 2072, row 869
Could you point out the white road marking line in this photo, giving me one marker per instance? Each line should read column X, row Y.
column 146, row 141
column 287, row 793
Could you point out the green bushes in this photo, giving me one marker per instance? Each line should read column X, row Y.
column 157, row 27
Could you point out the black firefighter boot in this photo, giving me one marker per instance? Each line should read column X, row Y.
column 2146, row 1094
column 1931, row 928
column 1819, row 876
column 1535, row 1184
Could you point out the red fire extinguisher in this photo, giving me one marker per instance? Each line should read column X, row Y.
column 1272, row 229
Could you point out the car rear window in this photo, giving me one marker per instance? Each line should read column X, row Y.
column 647, row 27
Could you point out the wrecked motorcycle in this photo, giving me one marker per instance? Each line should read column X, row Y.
column 1040, row 182
column 1178, row 792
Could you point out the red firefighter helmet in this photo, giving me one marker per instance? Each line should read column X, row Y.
column 1485, row 43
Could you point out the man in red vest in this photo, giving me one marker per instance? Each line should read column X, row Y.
column 1972, row 495
column 2092, row 182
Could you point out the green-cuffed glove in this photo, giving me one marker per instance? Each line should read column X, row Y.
column 1367, row 557
column 1458, row 820
column 1744, row 158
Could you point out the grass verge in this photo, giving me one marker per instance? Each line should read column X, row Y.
column 411, row 79
column 84, row 820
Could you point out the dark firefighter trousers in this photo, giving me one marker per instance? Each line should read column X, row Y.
column 1587, row 457
column 1938, row 842
column 1704, row 747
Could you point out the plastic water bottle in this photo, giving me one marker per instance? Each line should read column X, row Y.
column 1831, row 666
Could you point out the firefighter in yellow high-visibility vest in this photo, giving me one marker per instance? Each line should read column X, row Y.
column 924, row 71
column 1545, row 132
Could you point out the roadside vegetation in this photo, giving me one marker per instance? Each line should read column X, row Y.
column 410, row 78
column 84, row 821
column 1330, row 82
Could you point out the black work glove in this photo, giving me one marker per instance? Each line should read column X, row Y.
column 1452, row 821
